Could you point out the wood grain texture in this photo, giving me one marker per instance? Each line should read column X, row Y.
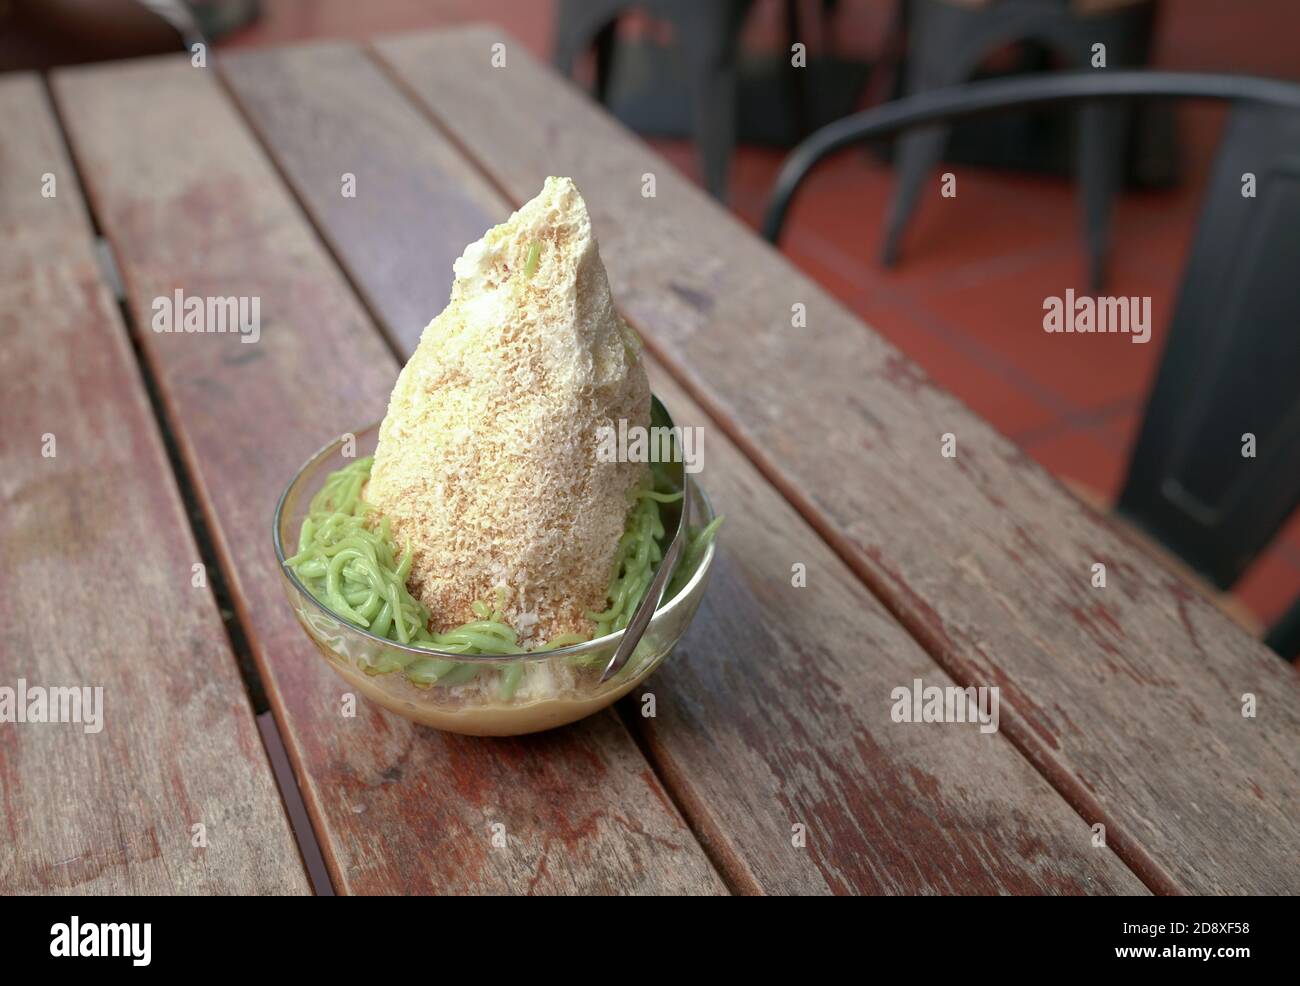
column 774, row 711
column 95, row 588
column 1129, row 699
column 329, row 110
column 188, row 200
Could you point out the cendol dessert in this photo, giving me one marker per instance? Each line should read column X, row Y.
column 485, row 523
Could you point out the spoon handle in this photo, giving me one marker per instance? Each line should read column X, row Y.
column 636, row 626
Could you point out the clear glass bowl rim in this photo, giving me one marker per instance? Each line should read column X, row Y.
column 600, row 643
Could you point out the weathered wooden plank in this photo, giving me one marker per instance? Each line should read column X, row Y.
column 774, row 711
column 96, row 589
column 1128, row 698
column 424, row 211
column 189, row 201
column 43, row 218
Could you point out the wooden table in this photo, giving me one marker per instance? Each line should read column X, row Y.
column 773, row 764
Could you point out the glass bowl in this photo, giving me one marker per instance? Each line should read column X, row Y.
column 556, row 686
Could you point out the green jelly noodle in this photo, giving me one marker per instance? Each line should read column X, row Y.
column 348, row 561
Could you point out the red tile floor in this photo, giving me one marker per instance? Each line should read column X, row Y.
column 967, row 296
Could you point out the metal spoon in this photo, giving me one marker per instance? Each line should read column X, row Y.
column 636, row 626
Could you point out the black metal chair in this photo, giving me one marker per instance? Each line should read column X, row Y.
column 947, row 41
column 1231, row 364
column 709, row 34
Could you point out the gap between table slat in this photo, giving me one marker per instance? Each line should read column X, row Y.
column 96, row 588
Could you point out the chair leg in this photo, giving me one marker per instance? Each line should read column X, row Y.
column 917, row 154
column 944, row 46
column 570, row 39
column 1102, row 133
column 715, row 124
column 1103, row 128
column 1285, row 636
column 796, row 87
column 605, row 43
column 711, row 35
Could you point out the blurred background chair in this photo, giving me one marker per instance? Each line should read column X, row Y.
column 948, row 40
column 706, row 39
column 1231, row 364
column 708, row 34
column 1285, row 635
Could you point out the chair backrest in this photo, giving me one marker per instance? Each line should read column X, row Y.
column 1231, row 366
column 1216, row 468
